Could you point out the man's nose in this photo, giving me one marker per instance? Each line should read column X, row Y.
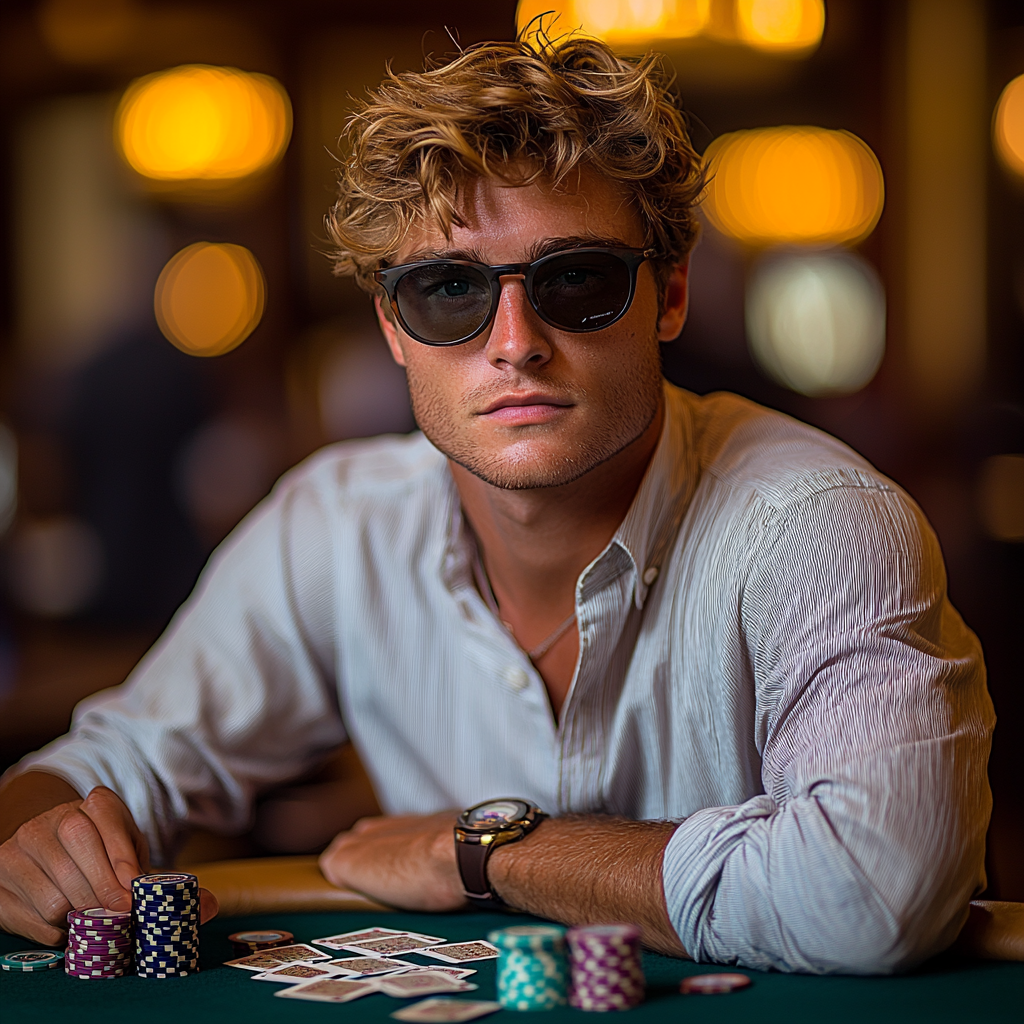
column 517, row 336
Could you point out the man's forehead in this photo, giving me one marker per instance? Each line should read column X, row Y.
column 510, row 223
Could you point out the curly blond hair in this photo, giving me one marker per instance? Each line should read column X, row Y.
column 518, row 111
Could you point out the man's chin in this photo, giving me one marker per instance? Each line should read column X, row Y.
column 529, row 467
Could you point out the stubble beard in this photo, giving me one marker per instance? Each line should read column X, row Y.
column 540, row 456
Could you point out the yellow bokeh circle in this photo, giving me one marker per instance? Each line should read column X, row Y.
column 1008, row 126
column 209, row 298
column 780, row 24
column 793, row 185
column 200, row 122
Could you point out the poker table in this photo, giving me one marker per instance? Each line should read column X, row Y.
column 945, row 989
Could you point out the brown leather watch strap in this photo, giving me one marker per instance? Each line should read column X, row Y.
column 472, row 860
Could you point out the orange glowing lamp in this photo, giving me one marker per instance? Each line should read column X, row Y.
column 209, row 298
column 203, row 123
column 793, row 185
column 1008, row 126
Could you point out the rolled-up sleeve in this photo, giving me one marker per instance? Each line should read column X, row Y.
column 238, row 694
column 874, row 725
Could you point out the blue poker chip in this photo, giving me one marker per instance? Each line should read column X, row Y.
column 32, row 960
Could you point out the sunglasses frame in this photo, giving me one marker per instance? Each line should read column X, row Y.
column 390, row 277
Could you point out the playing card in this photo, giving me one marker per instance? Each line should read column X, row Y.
column 445, row 1011
column 453, row 972
column 365, row 934
column 393, row 945
column 293, row 974
column 328, row 990
column 460, row 952
column 421, row 983
column 369, row 965
column 267, row 959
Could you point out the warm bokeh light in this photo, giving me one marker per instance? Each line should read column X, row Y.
column 1008, row 126
column 801, row 186
column 209, row 298
column 777, row 26
column 780, row 25
column 1001, row 497
column 816, row 321
column 622, row 21
column 200, row 122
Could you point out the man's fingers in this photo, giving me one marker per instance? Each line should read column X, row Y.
column 120, row 835
column 39, row 844
column 81, row 839
column 209, row 905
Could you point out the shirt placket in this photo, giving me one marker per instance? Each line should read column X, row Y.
column 603, row 604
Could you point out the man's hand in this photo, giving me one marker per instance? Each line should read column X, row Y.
column 83, row 853
column 406, row 861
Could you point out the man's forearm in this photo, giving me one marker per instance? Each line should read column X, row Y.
column 28, row 795
column 590, row 870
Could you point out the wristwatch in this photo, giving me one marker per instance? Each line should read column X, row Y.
column 482, row 828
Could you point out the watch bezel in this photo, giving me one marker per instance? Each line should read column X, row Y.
column 468, row 831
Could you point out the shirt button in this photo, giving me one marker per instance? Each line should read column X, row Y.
column 650, row 574
column 517, row 678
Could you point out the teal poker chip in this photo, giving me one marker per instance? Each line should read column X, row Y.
column 533, row 971
column 32, row 960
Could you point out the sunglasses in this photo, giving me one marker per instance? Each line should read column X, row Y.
column 448, row 302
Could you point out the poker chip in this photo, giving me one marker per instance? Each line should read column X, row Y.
column 99, row 943
column 713, row 984
column 532, row 970
column 606, row 969
column 247, row 943
column 166, row 913
column 32, row 960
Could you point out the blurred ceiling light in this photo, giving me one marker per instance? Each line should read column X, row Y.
column 1001, row 497
column 816, row 321
column 203, row 123
column 780, row 25
column 8, row 477
column 87, row 31
column 1008, row 126
column 793, row 185
column 622, row 21
column 776, row 26
column 209, row 298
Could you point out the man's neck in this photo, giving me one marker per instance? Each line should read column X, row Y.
column 535, row 543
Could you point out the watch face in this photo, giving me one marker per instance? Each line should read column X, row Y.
column 497, row 812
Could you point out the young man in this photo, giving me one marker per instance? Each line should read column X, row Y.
column 713, row 644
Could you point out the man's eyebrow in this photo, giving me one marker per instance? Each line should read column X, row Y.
column 542, row 247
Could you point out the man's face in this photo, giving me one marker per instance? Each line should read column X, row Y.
column 524, row 404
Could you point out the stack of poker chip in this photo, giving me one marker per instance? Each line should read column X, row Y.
column 166, row 911
column 99, row 943
column 532, row 970
column 607, row 973
column 247, row 943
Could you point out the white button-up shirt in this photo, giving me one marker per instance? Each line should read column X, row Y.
column 767, row 655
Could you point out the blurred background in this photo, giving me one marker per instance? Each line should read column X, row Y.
column 171, row 338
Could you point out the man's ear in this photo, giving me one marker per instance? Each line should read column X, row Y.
column 386, row 319
column 677, row 300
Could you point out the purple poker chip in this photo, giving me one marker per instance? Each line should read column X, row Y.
column 607, row 972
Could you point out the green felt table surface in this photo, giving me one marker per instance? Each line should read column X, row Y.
column 946, row 989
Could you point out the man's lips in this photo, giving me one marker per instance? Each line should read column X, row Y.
column 525, row 408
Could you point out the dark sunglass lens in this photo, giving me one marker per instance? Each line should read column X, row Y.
column 443, row 302
column 582, row 291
